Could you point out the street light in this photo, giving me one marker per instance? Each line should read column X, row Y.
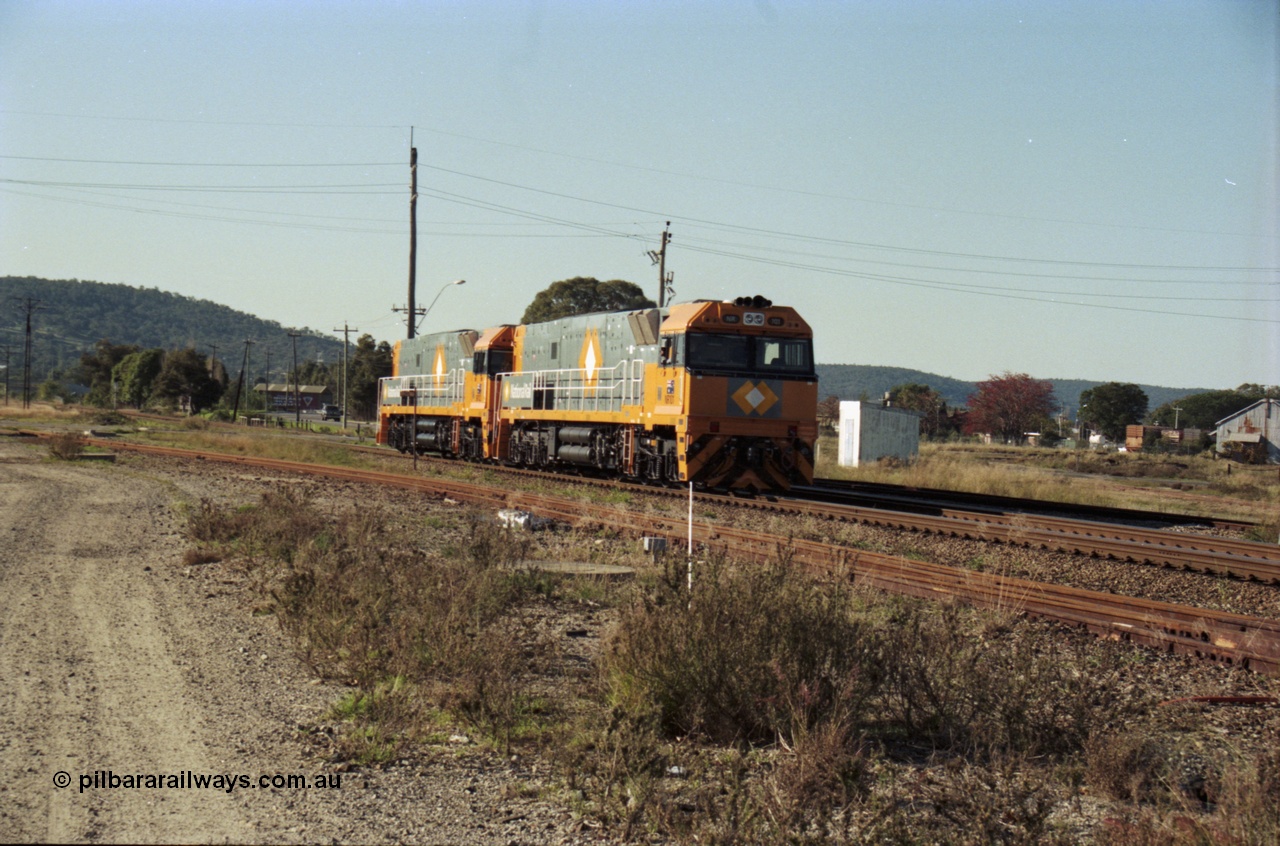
column 433, row 302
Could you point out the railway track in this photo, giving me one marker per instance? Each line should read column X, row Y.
column 1234, row 639
column 990, row 519
column 907, row 496
column 892, row 507
column 1222, row 556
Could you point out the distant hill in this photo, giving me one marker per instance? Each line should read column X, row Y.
column 853, row 381
column 75, row 315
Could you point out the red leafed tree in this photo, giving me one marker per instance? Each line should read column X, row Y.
column 1009, row 406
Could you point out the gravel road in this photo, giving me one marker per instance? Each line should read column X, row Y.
column 118, row 659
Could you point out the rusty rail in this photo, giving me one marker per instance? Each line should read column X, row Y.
column 1235, row 639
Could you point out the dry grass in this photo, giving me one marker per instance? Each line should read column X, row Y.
column 761, row 707
column 1222, row 797
column 1197, row 484
column 39, row 412
column 364, row 609
column 809, row 686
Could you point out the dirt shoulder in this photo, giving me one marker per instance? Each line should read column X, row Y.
column 121, row 661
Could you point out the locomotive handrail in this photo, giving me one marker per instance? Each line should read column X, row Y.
column 612, row 387
column 443, row 389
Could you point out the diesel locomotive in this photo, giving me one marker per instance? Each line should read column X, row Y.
column 721, row 394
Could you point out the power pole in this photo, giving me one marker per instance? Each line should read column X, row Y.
column 248, row 381
column 297, row 405
column 244, row 364
column 659, row 257
column 31, row 305
column 346, row 332
column 413, row 234
column 6, row 374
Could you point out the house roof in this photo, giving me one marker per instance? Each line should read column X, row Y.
column 1246, row 410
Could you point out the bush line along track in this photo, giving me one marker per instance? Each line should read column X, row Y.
column 1248, row 642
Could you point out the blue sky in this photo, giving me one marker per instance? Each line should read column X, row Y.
column 1067, row 189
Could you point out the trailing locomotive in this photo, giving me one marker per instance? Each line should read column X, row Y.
column 721, row 394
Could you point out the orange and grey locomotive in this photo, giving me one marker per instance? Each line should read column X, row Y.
column 721, row 394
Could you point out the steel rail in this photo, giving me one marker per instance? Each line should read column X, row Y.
column 1230, row 557
column 912, row 494
column 1249, row 642
column 1201, row 553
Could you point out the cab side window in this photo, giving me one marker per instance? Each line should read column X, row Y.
column 671, row 351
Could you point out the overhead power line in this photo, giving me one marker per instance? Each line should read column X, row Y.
column 702, row 177
column 817, row 239
column 203, row 122
column 216, row 189
column 199, row 164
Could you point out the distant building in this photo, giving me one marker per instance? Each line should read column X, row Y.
column 869, row 432
column 279, row 398
column 1251, row 434
column 1136, row 437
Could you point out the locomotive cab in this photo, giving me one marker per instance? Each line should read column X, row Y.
column 750, row 393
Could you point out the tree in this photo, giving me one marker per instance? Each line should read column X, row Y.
column 1112, row 406
column 135, row 376
column 96, row 368
column 369, row 362
column 1203, row 411
column 1010, row 406
column 185, row 374
column 313, row 373
column 829, row 412
column 928, row 402
column 584, row 295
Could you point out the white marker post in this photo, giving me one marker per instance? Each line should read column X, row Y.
column 691, row 544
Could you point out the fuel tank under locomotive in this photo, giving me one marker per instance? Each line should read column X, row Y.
column 583, row 445
column 434, row 434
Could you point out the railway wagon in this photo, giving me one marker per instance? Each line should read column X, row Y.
column 722, row 394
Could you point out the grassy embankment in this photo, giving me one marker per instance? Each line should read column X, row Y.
column 760, row 706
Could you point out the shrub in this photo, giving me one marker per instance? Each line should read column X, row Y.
column 361, row 607
column 1004, row 690
column 747, row 655
column 66, row 446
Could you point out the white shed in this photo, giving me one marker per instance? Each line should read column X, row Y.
column 869, row 432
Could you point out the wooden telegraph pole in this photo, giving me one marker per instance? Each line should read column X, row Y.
column 413, row 235
column 297, row 403
column 659, row 257
column 346, row 333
